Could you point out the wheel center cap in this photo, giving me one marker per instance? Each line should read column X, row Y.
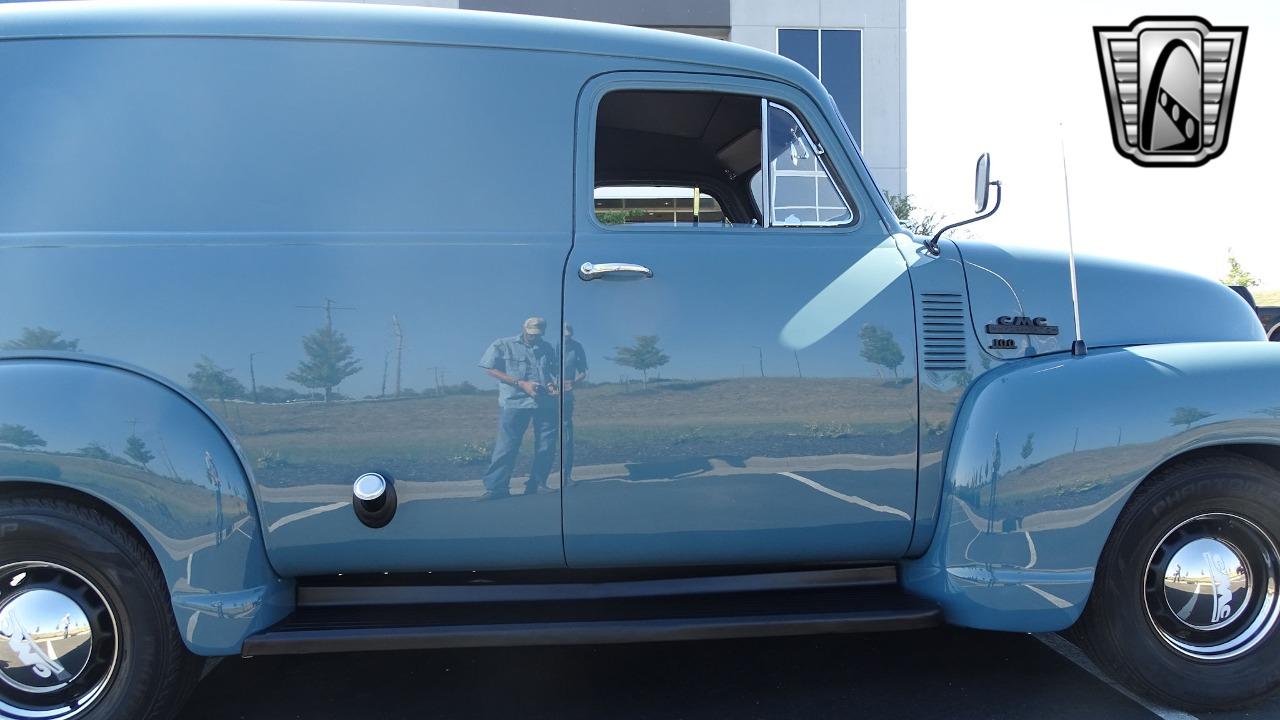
column 45, row 640
column 1206, row 584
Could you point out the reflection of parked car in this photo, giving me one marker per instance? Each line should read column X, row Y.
column 1268, row 315
column 208, row 211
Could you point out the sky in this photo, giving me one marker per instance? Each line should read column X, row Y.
column 1003, row 77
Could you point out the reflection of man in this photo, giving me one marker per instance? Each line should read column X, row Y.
column 65, row 624
column 575, row 371
column 526, row 368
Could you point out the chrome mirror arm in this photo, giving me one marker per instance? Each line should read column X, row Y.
column 932, row 245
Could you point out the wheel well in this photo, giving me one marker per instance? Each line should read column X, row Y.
column 1266, row 454
column 78, row 497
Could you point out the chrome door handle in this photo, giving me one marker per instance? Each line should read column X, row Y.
column 591, row 271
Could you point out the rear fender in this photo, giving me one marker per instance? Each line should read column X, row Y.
column 151, row 453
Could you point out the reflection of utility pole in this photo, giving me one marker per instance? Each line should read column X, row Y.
column 328, row 307
column 399, row 333
column 798, row 373
column 386, row 358
column 760, row 351
column 253, row 380
column 440, row 382
column 164, row 450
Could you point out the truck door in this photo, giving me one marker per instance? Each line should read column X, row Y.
column 738, row 350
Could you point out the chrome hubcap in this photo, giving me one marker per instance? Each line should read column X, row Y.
column 1211, row 587
column 58, row 642
column 33, row 623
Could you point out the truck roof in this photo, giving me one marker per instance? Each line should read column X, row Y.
column 384, row 23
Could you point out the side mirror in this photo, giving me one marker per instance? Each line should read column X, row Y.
column 982, row 183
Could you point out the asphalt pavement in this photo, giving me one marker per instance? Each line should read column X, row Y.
column 950, row 674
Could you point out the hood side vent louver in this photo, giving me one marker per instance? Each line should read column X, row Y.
column 943, row 324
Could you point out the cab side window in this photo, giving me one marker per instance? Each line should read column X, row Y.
column 701, row 159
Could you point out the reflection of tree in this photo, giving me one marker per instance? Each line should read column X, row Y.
column 329, row 361
column 214, row 383
column 42, row 338
column 95, row 451
column 1029, row 446
column 19, row 436
column 644, row 356
column 879, row 348
column 136, row 450
column 1188, row 416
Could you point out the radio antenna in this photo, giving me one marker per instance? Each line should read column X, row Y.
column 1077, row 346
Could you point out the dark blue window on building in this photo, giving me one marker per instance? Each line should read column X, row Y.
column 835, row 57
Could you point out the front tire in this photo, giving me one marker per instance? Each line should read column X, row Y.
column 1185, row 607
column 86, row 630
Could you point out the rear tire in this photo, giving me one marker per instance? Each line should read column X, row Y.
column 114, row 649
column 1185, row 606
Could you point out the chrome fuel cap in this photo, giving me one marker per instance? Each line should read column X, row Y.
column 369, row 486
column 1206, row 584
column 373, row 497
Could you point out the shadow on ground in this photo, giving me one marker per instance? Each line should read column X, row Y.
column 949, row 673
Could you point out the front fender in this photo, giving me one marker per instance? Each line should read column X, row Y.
column 150, row 453
column 1046, row 453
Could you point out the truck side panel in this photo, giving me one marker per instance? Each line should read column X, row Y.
column 319, row 240
column 1048, row 451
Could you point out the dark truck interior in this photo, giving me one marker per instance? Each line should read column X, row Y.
column 682, row 139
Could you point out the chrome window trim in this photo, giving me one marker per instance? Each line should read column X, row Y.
column 818, row 153
column 766, row 186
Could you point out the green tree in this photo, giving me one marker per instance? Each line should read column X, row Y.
column 1237, row 275
column 644, row 356
column 617, row 217
column 136, row 450
column 1188, row 416
column 19, row 436
column 912, row 217
column 879, row 347
column 214, row 383
column 42, row 338
column 329, row 361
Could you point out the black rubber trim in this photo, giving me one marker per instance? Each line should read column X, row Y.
column 358, row 592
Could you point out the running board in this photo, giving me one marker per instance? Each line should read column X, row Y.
column 319, row 629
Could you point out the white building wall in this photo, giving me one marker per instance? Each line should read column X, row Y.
column 884, row 65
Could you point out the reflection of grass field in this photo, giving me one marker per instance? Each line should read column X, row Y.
column 173, row 511
column 438, row 437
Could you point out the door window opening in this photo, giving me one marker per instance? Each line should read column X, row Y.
column 694, row 159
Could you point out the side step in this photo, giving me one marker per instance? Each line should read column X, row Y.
column 708, row 616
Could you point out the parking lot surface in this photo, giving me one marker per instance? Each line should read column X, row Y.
column 949, row 673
